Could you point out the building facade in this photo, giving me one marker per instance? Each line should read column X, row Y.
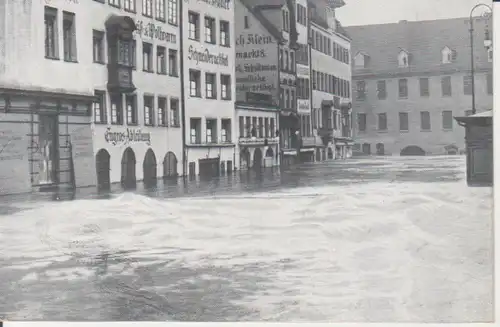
column 408, row 88
column 209, row 89
column 331, row 82
column 46, row 92
column 257, row 87
column 136, row 115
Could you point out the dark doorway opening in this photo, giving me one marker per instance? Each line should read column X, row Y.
column 102, row 163
column 257, row 159
column 380, row 149
column 209, row 168
column 412, row 150
column 330, row 153
column 366, row 148
column 128, row 178
column 149, row 169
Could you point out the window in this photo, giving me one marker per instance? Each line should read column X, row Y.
column 425, row 121
column 161, row 60
column 225, row 87
column 260, row 127
column 129, row 5
column 148, row 110
column 285, row 20
column 172, row 63
column 246, row 23
column 490, row 54
column 131, row 106
column 194, row 83
column 160, row 10
column 195, row 128
column 147, row 8
column 424, row 86
column 147, row 57
column 209, row 30
column 403, row 121
column 242, row 126
column 210, row 89
column 172, row 12
column 98, row 44
column 287, row 67
column 382, row 122
column 226, row 130
column 211, row 130
column 224, row 33
column 100, row 108
column 162, row 111
column 292, row 61
column 116, row 109
column 381, row 90
column 447, row 119
column 403, row 59
column 174, row 112
column 360, row 90
column 69, row 36
column 51, row 46
column 126, row 52
column 362, row 122
column 467, row 84
column 194, row 26
column 114, row 3
column 266, row 127
column 282, row 58
column 446, row 86
column 489, row 83
column 403, row 88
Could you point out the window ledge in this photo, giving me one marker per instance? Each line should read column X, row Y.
column 100, row 123
column 52, row 58
column 162, row 73
column 74, row 61
column 99, row 62
column 132, row 124
column 175, row 126
column 425, row 130
column 148, row 71
column 117, row 124
column 404, row 131
column 447, row 129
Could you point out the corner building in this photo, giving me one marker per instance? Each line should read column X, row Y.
column 136, row 115
column 46, row 93
column 208, row 82
column 408, row 88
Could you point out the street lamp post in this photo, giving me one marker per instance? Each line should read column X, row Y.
column 471, row 30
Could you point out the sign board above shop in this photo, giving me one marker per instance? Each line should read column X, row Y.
column 127, row 136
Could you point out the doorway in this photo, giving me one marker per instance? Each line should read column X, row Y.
column 102, row 163
column 48, row 148
column 128, row 169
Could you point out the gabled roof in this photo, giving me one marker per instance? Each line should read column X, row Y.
column 257, row 6
column 424, row 40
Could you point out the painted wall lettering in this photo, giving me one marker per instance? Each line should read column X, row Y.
column 128, row 136
column 153, row 31
column 76, row 2
column 224, row 4
column 220, row 59
column 254, row 39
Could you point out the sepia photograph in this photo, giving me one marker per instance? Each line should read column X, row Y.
column 246, row 161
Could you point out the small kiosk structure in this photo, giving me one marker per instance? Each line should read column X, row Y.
column 479, row 147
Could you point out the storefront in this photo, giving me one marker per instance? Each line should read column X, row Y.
column 55, row 129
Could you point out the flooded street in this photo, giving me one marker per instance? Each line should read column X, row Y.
column 361, row 240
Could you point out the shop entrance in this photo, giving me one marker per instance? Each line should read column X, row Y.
column 47, row 148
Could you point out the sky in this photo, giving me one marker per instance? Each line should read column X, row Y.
column 365, row 12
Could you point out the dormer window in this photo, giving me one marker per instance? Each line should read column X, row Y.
column 403, row 59
column 448, row 55
column 361, row 60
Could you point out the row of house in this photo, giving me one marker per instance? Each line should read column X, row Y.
column 411, row 78
column 105, row 91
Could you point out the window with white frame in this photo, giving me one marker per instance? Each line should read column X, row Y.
column 224, row 33
column 129, row 5
column 161, row 60
column 195, row 130
column 162, row 111
column 225, row 86
column 147, row 57
column 211, row 130
column 99, row 106
column 194, row 26
column 148, row 110
column 51, row 44
column 116, row 109
column 225, row 131
column 403, row 59
column 172, row 12
column 147, row 8
column 174, row 112
column 131, row 106
column 194, row 83
column 209, row 30
column 160, row 10
column 210, row 89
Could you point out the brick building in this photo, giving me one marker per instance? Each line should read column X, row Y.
column 411, row 78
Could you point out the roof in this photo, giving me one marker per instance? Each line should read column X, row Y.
column 476, row 118
column 423, row 40
column 257, row 6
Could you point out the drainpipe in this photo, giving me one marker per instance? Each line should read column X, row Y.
column 183, row 96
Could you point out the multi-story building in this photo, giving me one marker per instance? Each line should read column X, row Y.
column 411, row 79
column 46, row 92
column 208, row 80
column 331, row 81
column 278, row 18
column 257, row 87
column 135, row 76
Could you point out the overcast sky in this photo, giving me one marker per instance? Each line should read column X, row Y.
column 364, row 12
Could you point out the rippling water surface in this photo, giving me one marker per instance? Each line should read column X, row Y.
column 391, row 239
